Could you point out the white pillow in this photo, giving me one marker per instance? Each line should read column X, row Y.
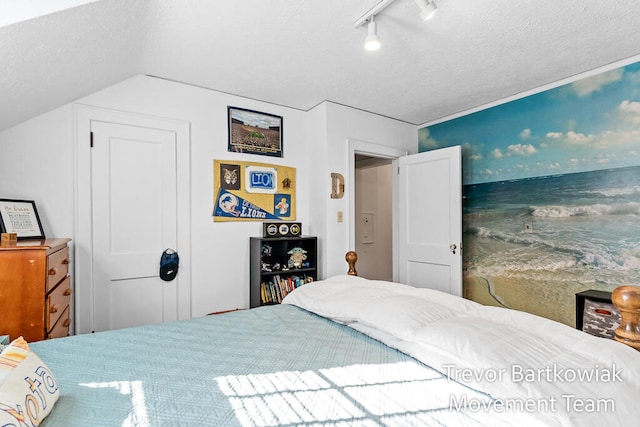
column 28, row 389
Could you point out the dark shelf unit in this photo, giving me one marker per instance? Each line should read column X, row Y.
column 593, row 295
column 280, row 246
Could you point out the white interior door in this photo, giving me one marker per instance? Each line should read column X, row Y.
column 430, row 220
column 134, row 204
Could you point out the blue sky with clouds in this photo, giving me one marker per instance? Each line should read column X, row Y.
column 591, row 124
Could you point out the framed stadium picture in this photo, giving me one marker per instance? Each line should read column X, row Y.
column 253, row 132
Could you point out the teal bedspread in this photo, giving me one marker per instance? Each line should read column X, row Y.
column 276, row 365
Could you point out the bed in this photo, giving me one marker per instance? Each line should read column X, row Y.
column 343, row 351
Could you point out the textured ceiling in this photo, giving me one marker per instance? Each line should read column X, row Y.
column 299, row 53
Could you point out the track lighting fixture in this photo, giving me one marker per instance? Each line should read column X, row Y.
column 427, row 9
column 372, row 42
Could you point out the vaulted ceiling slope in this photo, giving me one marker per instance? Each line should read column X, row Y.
column 299, row 53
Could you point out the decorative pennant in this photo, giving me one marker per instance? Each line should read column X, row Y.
column 231, row 206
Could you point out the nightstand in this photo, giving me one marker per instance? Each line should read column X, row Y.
column 596, row 314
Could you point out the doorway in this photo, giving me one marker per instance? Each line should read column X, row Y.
column 373, row 189
column 426, row 214
column 372, row 155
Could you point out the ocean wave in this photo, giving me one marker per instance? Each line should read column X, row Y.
column 615, row 192
column 474, row 214
column 480, row 231
column 532, row 252
column 575, row 265
column 561, row 211
column 506, row 267
column 521, row 239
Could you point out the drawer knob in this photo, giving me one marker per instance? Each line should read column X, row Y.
column 66, row 323
column 67, row 292
column 52, row 271
column 65, row 262
column 53, row 309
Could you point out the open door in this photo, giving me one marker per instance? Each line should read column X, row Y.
column 429, row 221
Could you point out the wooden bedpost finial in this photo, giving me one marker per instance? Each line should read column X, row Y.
column 627, row 301
column 351, row 258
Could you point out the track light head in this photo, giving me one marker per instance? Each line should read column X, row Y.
column 372, row 42
column 427, row 9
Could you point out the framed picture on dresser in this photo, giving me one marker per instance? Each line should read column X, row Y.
column 20, row 217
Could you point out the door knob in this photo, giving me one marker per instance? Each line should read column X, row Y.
column 453, row 248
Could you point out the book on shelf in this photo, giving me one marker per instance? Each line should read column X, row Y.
column 274, row 290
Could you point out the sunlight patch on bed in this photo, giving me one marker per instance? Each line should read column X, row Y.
column 138, row 416
column 379, row 373
column 377, row 387
column 337, row 395
column 285, row 398
column 249, row 385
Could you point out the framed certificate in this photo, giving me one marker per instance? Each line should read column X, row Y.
column 20, row 217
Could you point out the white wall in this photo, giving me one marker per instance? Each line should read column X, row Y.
column 37, row 162
column 319, row 189
column 220, row 251
column 344, row 123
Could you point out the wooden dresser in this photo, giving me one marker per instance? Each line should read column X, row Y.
column 35, row 289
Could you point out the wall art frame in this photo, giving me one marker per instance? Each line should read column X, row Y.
column 20, row 217
column 254, row 132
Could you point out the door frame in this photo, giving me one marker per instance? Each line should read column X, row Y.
column 83, row 268
column 385, row 152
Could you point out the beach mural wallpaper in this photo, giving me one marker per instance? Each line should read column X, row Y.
column 551, row 187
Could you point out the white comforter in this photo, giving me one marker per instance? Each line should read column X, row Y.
column 532, row 365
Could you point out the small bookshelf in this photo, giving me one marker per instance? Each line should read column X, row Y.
column 279, row 265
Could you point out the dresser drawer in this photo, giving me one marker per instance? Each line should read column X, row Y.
column 30, row 272
column 57, row 300
column 57, row 267
column 61, row 328
column 600, row 318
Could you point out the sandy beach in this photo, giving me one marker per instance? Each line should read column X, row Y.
column 548, row 298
